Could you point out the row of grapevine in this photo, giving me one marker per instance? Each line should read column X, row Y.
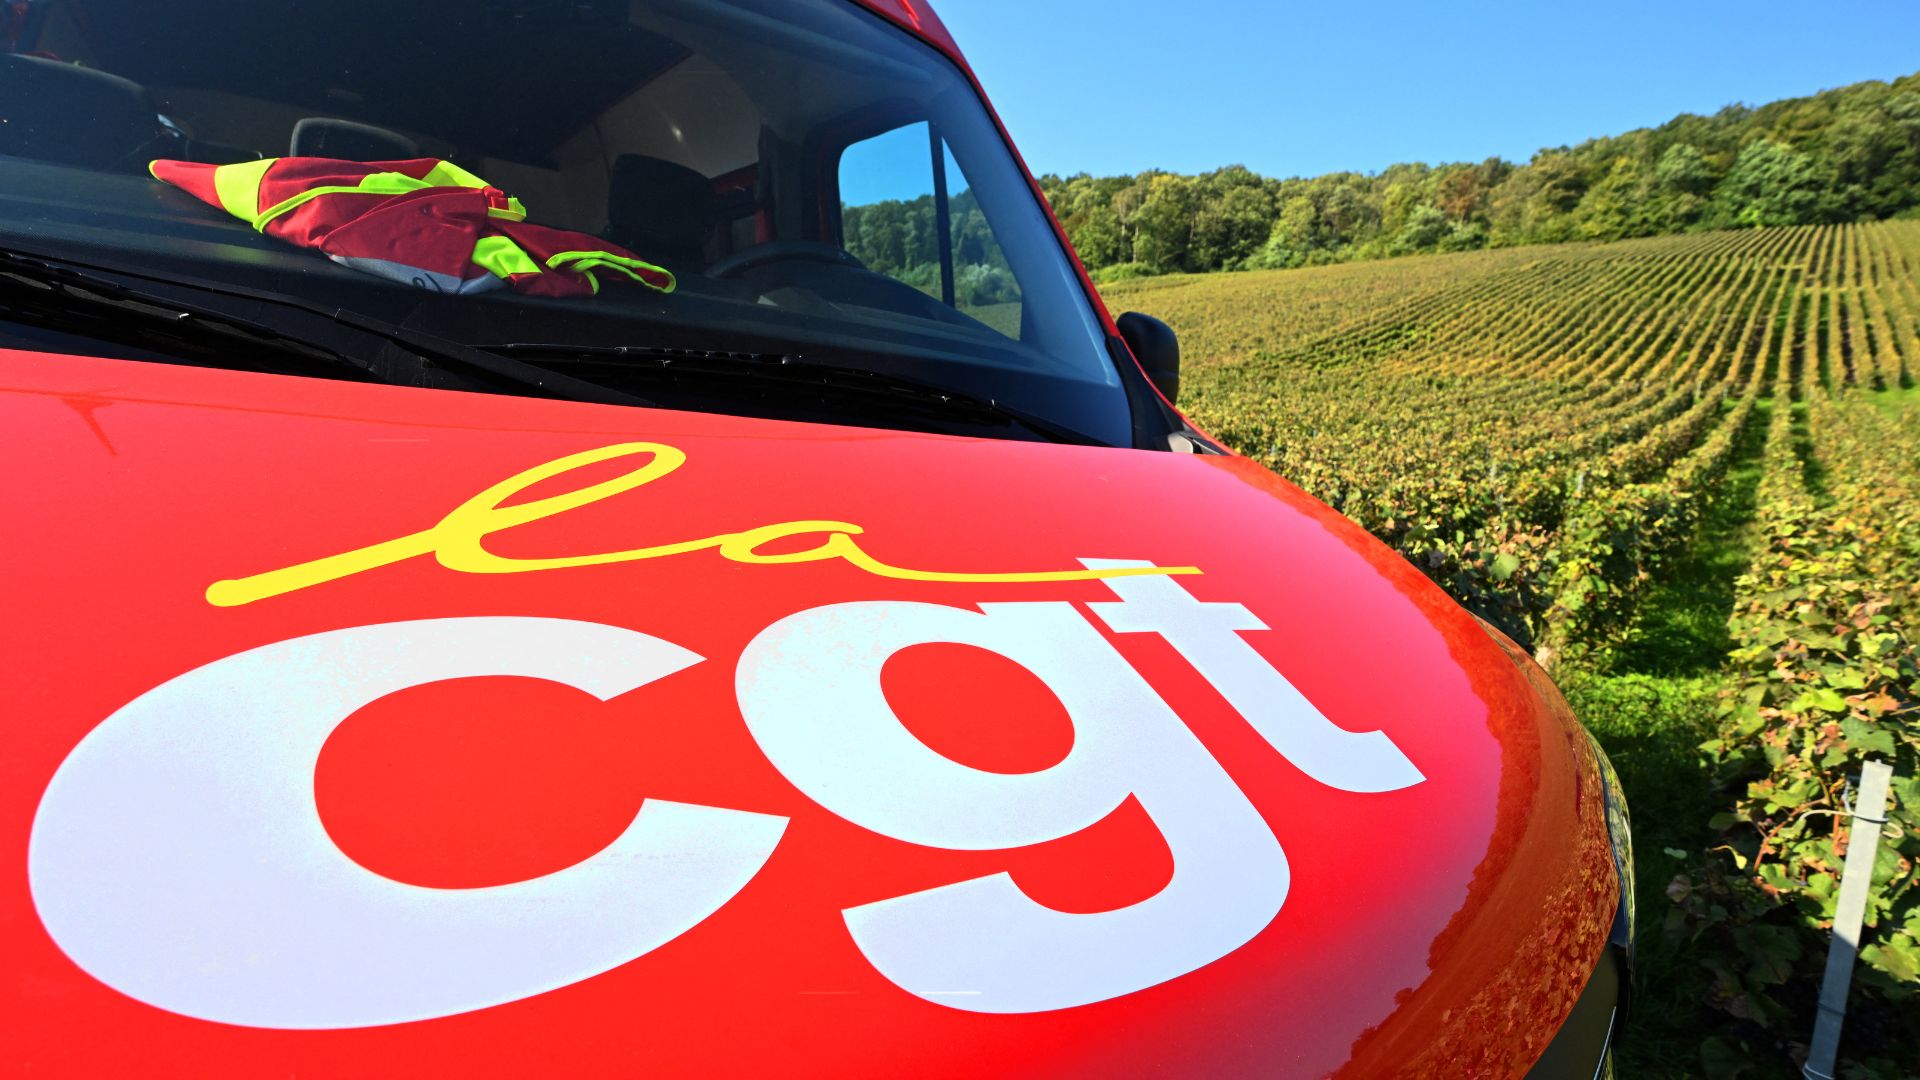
column 1825, row 675
column 1505, row 432
column 1612, row 541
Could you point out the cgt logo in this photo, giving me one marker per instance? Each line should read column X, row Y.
column 179, row 857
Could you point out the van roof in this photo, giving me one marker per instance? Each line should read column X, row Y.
column 919, row 17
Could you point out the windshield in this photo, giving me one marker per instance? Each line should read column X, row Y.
column 575, row 183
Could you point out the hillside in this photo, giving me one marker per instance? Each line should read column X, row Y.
column 1687, row 471
column 1849, row 154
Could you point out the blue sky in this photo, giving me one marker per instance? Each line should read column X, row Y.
column 1301, row 89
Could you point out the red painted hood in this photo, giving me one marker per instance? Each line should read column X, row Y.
column 1451, row 918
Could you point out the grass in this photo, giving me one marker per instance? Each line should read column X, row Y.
column 1680, row 629
column 1650, row 726
column 1894, row 400
column 1651, row 708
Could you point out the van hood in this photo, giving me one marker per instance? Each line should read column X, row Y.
column 1436, row 910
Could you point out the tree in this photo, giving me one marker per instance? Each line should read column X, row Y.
column 1229, row 229
column 1618, row 206
column 1560, row 183
column 1296, row 234
column 1463, row 192
column 1684, row 170
column 1097, row 236
column 1350, row 215
column 1773, row 184
column 1164, row 223
column 1425, row 228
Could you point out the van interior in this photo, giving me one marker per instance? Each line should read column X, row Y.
column 808, row 171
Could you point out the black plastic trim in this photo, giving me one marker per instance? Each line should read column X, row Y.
column 1154, row 424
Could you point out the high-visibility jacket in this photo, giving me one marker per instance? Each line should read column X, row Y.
column 425, row 222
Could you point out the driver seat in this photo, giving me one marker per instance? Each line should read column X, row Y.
column 70, row 115
column 661, row 211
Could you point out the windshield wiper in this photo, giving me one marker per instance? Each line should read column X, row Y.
column 878, row 389
column 53, row 283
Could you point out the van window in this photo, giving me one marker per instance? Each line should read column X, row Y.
column 907, row 211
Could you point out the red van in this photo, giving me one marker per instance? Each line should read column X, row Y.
column 614, row 536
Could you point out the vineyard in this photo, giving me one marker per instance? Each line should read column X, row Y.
column 1686, row 472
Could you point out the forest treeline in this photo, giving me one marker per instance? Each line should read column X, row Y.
column 897, row 238
column 1850, row 154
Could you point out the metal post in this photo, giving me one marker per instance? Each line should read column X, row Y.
column 942, row 211
column 1856, row 878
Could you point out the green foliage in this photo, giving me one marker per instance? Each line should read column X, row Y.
column 1773, row 184
column 898, row 238
column 1826, row 675
column 1163, row 225
column 1123, row 272
column 1684, row 170
column 1650, row 726
column 1850, row 154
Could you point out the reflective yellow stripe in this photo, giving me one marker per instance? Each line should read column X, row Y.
column 502, row 257
column 585, row 262
column 447, row 174
column 239, row 186
column 387, row 183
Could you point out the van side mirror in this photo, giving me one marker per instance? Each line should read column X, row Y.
column 1157, row 348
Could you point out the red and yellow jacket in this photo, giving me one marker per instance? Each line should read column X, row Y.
column 425, row 222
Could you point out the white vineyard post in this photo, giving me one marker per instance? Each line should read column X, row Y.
column 1856, row 877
